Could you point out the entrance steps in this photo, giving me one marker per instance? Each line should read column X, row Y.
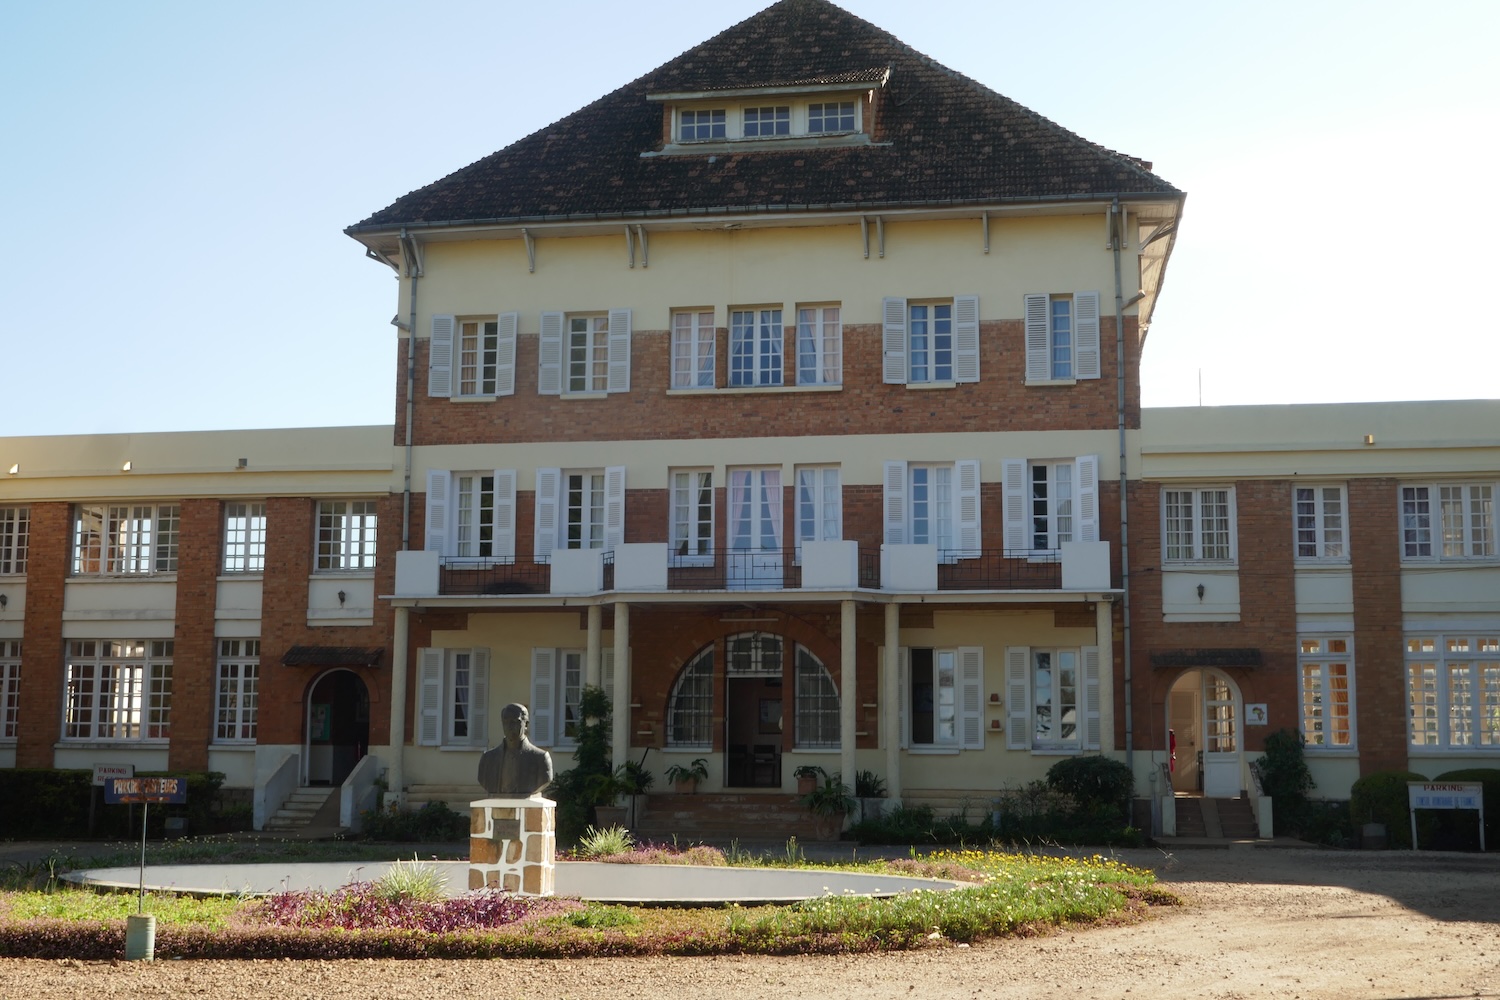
column 304, row 808
column 723, row 816
column 1216, row 819
column 457, row 797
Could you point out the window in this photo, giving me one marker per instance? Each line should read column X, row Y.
column 817, row 704
column 453, row 697
column 584, row 354
column 244, row 537
column 118, row 690
column 830, row 116
column 755, row 347
column 1319, row 513
column 1047, row 503
column 693, row 517
column 15, row 528
column 943, row 695
column 583, row 510
column 701, row 126
column 931, row 342
column 139, row 539
column 486, row 352
column 690, row 705
column 471, row 515
column 1050, row 504
column 1326, row 668
column 557, row 679
column 238, row 695
column 1453, row 691
column 693, row 350
column 1466, row 521
column 769, row 121
column 819, row 505
column 1199, row 525
column 346, row 536
column 753, row 654
column 579, row 509
column 1052, row 698
column 10, row 688
column 820, row 339
column 934, row 504
column 1062, row 337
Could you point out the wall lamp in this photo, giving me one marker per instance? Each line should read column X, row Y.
column 342, row 597
column 3, row 601
column 125, row 467
column 1201, row 589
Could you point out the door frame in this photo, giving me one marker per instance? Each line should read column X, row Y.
column 1237, row 709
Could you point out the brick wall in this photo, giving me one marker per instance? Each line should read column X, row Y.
column 1379, row 658
column 200, row 540
column 40, row 708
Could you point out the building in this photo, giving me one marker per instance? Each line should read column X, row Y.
column 802, row 421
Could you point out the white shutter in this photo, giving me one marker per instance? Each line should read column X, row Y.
column 549, row 380
column 966, row 338
column 505, row 513
column 1088, row 498
column 1013, row 506
column 548, row 486
column 543, row 667
column 614, row 507
column 619, row 351
column 903, row 691
column 893, row 340
column 440, row 357
column 505, row 353
column 966, row 471
column 1017, row 697
column 439, row 484
column 971, row 697
column 429, row 697
column 1086, row 335
column 895, row 503
column 1038, row 339
column 479, row 697
column 1091, row 706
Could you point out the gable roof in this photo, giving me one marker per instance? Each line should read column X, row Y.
column 940, row 138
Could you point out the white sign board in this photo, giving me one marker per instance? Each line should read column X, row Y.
column 1444, row 795
column 108, row 772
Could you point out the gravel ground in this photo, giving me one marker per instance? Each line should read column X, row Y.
column 1259, row 923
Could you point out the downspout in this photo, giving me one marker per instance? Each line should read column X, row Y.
column 413, row 272
column 1117, row 238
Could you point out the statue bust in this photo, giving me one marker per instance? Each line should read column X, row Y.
column 515, row 767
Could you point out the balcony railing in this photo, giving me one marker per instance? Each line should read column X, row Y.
column 733, row 569
column 999, row 569
column 478, row 577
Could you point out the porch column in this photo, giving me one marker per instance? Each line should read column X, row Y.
column 848, row 692
column 1104, row 637
column 621, row 732
column 591, row 652
column 890, row 704
column 395, row 773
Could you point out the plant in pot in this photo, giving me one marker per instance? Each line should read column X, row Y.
column 685, row 777
column 808, row 778
column 869, row 788
column 830, row 803
column 632, row 779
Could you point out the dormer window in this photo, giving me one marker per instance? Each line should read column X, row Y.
column 703, row 126
column 761, row 123
column 777, row 122
column 834, row 116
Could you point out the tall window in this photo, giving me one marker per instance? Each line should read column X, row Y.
column 478, row 357
column 755, row 340
column 239, row 687
column 1060, row 336
column 930, row 342
column 693, row 516
column 933, row 697
column 453, row 697
column 118, row 690
column 1327, row 677
column 817, row 703
column 1199, row 525
column 693, row 350
column 830, row 116
column 1320, row 522
column 10, row 688
column 474, row 515
column 15, row 525
column 930, row 499
column 557, row 677
column 819, row 507
column 588, row 353
column 346, row 536
column 583, row 518
column 755, row 509
column 127, row 539
column 1050, row 504
column 690, row 706
column 768, row 121
column 1054, row 697
column 820, row 352
column 1453, row 691
column 244, row 537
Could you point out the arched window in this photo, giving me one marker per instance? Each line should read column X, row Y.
column 690, row 707
column 817, row 705
column 753, row 654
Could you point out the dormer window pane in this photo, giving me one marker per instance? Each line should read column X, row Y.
column 700, row 126
column 768, row 121
column 835, row 116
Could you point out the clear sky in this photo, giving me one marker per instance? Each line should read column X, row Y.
column 177, row 176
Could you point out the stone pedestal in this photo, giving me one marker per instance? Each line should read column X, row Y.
column 513, row 844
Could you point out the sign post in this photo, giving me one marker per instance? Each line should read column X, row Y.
column 103, row 773
column 140, row 928
column 1430, row 795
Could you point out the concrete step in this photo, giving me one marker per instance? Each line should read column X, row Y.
column 302, row 808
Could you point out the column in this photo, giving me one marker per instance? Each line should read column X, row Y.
column 890, row 705
column 395, row 777
column 621, row 749
column 1104, row 638
column 848, row 692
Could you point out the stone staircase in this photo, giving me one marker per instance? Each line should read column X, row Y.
column 457, row 797
column 1216, row 819
column 306, row 807
column 724, row 816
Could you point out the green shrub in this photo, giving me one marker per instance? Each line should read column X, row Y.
column 1327, row 822
column 590, row 781
column 1283, row 775
column 1381, row 798
column 1093, row 782
column 411, row 880
column 433, row 823
column 611, row 840
column 1458, row 829
column 53, row 804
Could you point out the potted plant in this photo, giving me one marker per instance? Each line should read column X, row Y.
column 869, row 788
column 632, row 779
column 685, row 777
column 808, row 776
column 830, row 803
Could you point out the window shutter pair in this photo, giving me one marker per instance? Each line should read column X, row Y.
column 549, row 499
column 546, row 715
column 440, row 355
column 432, row 685
column 1018, row 698
column 440, row 508
column 1038, row 321
column 966, row 513
column 965, row 339
column 551, row 354
column 970, row 683
column 1013, row 502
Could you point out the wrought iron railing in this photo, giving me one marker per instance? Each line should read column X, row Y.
column 505, row 575
column 999, row 569
column 733, row 569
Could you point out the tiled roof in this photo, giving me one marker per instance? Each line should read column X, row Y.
column 940, row 138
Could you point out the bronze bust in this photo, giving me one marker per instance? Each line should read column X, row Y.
column 515, row 767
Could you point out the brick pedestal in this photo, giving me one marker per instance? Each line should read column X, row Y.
column 513, row 844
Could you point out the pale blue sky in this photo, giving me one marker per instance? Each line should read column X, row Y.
column 178, row 175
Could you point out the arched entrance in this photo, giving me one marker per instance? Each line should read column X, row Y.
column 1204, row 709
column 336, row 727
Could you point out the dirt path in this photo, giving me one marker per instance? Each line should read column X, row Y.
column 1260, row 923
